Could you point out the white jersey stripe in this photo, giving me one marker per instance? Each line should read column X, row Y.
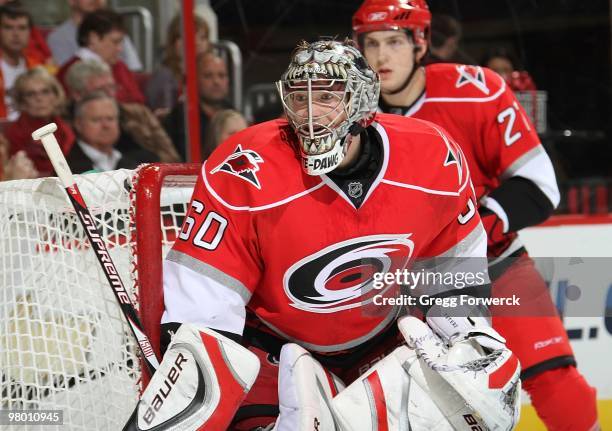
column 198, row 299
column 536, row 166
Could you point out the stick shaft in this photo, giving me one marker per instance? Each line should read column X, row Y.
column 99, row 247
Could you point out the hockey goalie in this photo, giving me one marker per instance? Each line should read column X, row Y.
column 273, row 319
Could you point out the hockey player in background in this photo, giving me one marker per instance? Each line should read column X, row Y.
column 289, row 223
column 515, row 185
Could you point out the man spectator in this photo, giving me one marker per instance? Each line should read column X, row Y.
column 138, row 126
column 213, row 90
column 100, row 37
column 37, row 47
column 97, row 125
column 15, row 25
column 63, row 39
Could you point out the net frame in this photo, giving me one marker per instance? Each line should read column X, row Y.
column 63, row 341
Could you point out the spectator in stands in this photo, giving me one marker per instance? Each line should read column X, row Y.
column 40, row 100
column 100, row 37
column 138, row 126
column 63, row 39
column 37, row 47
column 165, row 84
column 96, row 122
column 446, row 34
column 213, row 89
column 222, row 125
column 15, row 25
column 501, row 61
column 17, row 167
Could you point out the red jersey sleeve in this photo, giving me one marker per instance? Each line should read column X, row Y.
column 220, row 238
column 459, row 247
column 213, row 267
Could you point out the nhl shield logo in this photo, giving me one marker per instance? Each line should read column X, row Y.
column 243, row 164
column 355, row 190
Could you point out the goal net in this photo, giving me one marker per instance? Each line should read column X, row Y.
column 64, row 343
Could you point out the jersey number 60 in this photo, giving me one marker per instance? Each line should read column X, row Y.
column 209, row 233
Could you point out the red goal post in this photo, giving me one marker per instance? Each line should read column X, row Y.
column 152, row 234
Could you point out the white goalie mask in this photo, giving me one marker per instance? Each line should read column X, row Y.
column 329, row 93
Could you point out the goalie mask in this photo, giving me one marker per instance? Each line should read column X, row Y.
column 329, row 94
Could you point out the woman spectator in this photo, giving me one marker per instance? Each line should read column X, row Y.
column 222, row 125
column 165, row 85
column 40, row 100
column 100, row 37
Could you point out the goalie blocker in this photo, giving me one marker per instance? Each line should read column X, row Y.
column 201, row 382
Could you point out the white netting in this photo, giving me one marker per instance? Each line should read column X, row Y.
column 535, row 104
column 64, row 343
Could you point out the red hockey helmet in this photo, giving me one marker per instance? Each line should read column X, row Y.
column 380, row 15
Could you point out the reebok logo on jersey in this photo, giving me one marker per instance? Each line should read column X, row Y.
column 243, row 164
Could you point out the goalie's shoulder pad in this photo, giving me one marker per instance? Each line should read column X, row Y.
column 466, row 84
column 200, row 383
column 438, row 165
column 257, row 169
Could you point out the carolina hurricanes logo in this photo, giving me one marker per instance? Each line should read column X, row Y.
column 243, row 164
column 341, row 276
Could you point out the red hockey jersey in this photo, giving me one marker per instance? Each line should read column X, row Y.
column 476, row 107
column 478, row 110
column 292, row 247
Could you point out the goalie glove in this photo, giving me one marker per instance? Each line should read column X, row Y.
column 471, row 376
column 201, row 382
column 453, row 324
column 429, row 386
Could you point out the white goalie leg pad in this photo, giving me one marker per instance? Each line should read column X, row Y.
column 201, row 382
column 305, row 390
column 472, row 385
column 385, row 398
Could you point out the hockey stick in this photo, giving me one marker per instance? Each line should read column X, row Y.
column 46, row 136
